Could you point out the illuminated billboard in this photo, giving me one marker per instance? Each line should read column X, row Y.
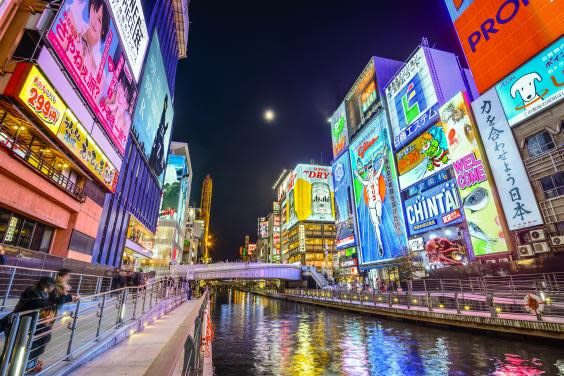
column 381, row 231
column 262, row 228
column 152, row 123
column 442, row 247
column 432, row 204
column 310, row 195
column 535, row 86
column 411, row 99
column 339, row 130
column 84, row 38
column 423, row 157
column 31, row 88
column 500, row 35
column 512, row 182
column 175, row 188
column 130, row 22
column 483, row 216
column 344, row 204
column 138, row 233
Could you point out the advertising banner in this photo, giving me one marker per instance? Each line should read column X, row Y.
column 443, row 247
column 411, row 99
column 432, row 205
column 77, row 140
column 500, row 35
column 32, row 90
column 139, row 234
column 154, row 112
column 175, row 188
column 344, row 216
column 130, row 22
column 381, row 231
column 363, row 100
column 85, row 39
column 310, row 195
column 535, row 86
column 423, row 157
column 263, row 228
column 515, row 191
column 474, row 183
column 339, row 130
column 41, row 99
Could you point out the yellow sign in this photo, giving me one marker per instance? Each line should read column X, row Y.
column 38, row 95
column 73, row 135
column 139, row 234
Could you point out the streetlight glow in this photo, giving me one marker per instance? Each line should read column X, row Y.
column 269, row 115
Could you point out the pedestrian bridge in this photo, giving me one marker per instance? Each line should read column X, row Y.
column 239, row 270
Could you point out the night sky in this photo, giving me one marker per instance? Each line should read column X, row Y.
column 297, row 57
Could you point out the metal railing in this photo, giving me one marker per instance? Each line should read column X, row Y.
column 14, row 280
column 55, row 335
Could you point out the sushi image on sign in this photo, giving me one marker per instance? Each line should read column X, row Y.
column 484, row 217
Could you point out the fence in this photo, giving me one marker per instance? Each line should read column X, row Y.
column 71, row 331
column 14, row 280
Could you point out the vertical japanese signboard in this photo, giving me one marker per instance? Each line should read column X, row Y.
column 517, row 197
column 483, row 216
column 339, row 130
column 411, row 99
column 85, row 39
column 130, row 22
column 381, row 230
column 344, row 204
column 535, row 86
column 500, row 35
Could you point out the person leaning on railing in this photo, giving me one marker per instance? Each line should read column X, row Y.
column 35, row 298
column 61, row 294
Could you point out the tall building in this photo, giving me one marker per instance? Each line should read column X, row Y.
column 205, row 213
column 307, row 215
column 171, row 229
column 137, row 198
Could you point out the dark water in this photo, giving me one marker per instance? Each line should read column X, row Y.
column 261, row 336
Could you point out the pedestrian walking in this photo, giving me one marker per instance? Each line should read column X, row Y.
column 3, row 258
column 61, row 294
column 36, row 298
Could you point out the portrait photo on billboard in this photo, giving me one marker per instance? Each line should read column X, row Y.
column 473, row 179
column 411, row 99
column 376, row 194
column 535, row 86
column 344, row 206
column 85, row 39
column 423, row 157
column 154, row 113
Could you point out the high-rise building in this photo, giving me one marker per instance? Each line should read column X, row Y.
column 205, row 213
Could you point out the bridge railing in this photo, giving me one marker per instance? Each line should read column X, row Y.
column 15, row 279
column 46, row 338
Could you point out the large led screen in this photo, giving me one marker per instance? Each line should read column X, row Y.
column 344, row 204
column 339, row 130
column 381, row 230
column 154, row 112
column 85, row 39
column 175, row 188
column 500, row 35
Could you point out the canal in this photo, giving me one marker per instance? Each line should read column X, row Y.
column 255, row 335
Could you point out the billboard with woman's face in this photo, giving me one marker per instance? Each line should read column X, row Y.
column 86, row 41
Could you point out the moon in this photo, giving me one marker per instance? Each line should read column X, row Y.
column 269, row 115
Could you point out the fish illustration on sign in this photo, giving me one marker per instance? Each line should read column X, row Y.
column 477, row 200
column 478, row 233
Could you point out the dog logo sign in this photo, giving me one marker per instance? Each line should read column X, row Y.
column 526, row 88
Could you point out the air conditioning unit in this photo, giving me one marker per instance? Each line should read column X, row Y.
column 537, row 235
column 557, row 240
column 525, row 250
column 541, row 247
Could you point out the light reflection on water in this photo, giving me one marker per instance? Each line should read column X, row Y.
column 261, row 336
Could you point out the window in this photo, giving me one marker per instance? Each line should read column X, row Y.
column 81, row 243
column 540, row 144
column 553, row 185
column 25, row 233
column 560, row 228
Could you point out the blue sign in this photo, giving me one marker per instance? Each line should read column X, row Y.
column 152, row 123
column 344, row 216
column 535, row 86
column 432, row 204
column 381, row 231
column 429, row 116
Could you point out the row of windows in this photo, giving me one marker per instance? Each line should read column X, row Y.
column 19, row 231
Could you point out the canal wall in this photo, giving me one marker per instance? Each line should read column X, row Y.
column 479, row 321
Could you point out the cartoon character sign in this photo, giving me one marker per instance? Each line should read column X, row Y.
column 423, row 157
column 378, row 210
column 535, row 86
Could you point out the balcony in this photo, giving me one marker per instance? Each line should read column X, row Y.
column 546, row 164
column 24, row 144
column 553, row 210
